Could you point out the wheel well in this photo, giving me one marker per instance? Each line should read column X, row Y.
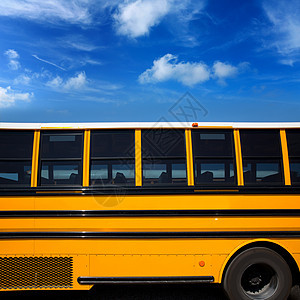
column 275, row 247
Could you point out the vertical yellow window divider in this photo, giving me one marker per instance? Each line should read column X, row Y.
column 238, row 157
column 189, row 157
column 285, row 158
column 138, row 157
column 35, row 158
column 86, row 159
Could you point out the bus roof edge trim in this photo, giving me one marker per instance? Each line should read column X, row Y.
column 149, row 125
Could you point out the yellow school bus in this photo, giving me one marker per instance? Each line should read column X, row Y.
column 93, row 203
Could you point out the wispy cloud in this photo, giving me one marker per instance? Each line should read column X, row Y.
column 71, row 11
column 92, row 62
column 22, row 79
column 284, row 17
column 9, row 97
column 288, row 62
column 13, row 57
column 48, row 62
column 132, row 18
column 77, row 42
column 188, row 73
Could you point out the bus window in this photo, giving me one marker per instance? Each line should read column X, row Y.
column 112, row 157
column 61, row 158
column 163, row 157
column 293, row 141
column 15, row 157
column 213, row 157
column 262, row 158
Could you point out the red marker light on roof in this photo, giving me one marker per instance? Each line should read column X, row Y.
column 195, row 125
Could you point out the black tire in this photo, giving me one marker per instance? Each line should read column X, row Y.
column 258, row 273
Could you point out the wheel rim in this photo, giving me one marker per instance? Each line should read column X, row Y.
column 259, row 281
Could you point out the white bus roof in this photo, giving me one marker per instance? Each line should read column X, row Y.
column 149, row 125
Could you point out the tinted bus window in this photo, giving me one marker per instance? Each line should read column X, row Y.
column 208, row 143
column 61, row 145
column 163, row 143
column 112, row 157
column 163, row 157
column 262, row 159
column 16, row 157
column 293, row 141
column 112, row 143
column 61, row 158
column 260, row 143
column 213, row 157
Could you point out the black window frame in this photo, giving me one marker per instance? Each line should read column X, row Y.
column 214, row 159
column 127, row 159
column 13, row 160
column 262, row 159
column 60, row 160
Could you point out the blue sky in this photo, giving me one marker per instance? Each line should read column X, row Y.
column 149, row 60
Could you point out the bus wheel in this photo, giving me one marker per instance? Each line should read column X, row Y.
column 258, row 273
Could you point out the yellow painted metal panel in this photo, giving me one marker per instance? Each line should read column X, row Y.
column 81, row 267
column 35, row 158
column 133, row 252
column 238, row 157
column 86, row 158
column 189, row 157
column 138, row 246
column 16, row 203
column 150, row 265
column 16, row 224
column 138, row 157
column 285, row 157
column 16, row 247
column 148, row 202
column 165, row 224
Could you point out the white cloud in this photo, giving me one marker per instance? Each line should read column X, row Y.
column 189, row 73
column 135, row 18
column 77, row 82
column 55, row 82
column 284, row 17
column 71, row 11
column 13, row 57
column 224, row 70
column 14, row 65
column 12, row 54
column 167, row 68
column 8, row 97
column 22, row 79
